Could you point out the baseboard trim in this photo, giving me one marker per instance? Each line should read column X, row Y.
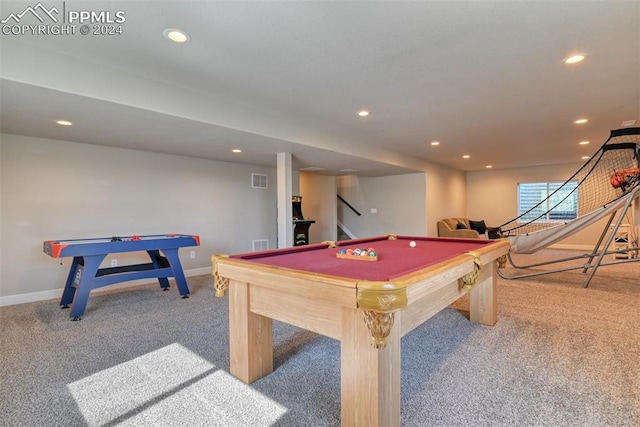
column 56, row 293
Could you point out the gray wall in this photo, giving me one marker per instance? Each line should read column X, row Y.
column 399, row 201
column 493, row 196
column 319, row 204
column 446, row 196
column 52, row 189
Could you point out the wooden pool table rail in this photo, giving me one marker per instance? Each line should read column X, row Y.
column 379, row 300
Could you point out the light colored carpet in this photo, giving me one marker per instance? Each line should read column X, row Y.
column 560, row 355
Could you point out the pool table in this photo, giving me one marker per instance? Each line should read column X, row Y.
column 368, row 305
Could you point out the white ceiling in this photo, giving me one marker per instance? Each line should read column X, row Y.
column 485, row 78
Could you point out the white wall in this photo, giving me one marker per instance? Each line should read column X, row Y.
column 319, row 204
column 446, row 196
column 53, row 189
column 400, row 202
column 493, row 197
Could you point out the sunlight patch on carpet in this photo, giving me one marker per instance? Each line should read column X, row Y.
column 170, row 386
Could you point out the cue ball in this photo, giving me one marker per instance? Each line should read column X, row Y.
column 412, row 244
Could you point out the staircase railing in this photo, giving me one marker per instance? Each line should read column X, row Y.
column 342, row 229
column 348, row 205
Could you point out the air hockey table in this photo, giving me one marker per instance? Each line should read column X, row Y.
column 85, row 273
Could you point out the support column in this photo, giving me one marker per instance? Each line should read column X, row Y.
column 285, row 208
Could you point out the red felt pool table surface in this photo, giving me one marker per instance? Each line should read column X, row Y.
column 395, row 256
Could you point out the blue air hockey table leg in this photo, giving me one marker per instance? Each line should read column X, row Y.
column 79, row 283
column 176, row 268
column 73, row 280
column 159, row 262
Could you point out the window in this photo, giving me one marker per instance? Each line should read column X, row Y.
column 548, row 201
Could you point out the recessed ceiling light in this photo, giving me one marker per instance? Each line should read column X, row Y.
column 363, row 113
column 176, row 35
column 581, row 121
column 466, row 156
column 236, row 150
column 585, row 157
column 488, row 166
column 584, row 142
column 575, row 58
column 628, row 123
column 64, row 122
column 434, row 143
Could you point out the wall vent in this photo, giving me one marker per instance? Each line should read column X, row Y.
column 260, row 245
column 258, row 180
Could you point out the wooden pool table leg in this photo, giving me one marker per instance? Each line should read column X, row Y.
column 370, row 378
column 483, row 297
column 250, row 336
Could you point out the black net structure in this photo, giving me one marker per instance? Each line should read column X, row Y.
column 600, row 186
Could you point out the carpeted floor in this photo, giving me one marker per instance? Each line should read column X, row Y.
column 560, row 355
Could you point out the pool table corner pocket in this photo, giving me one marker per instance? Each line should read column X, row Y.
column 220, row 283
column 379, row 302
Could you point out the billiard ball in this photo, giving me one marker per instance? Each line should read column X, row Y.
column 412, row 244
